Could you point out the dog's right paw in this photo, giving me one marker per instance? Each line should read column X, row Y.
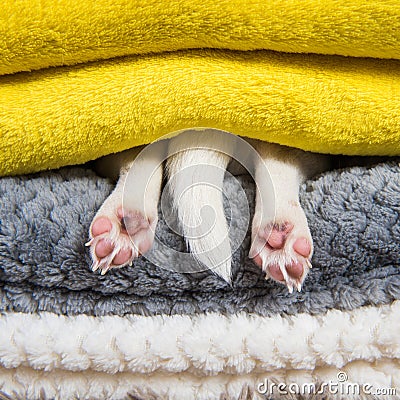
column 117, row 237
column 283, row 251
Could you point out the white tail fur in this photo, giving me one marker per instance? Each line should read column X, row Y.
column 196, row 175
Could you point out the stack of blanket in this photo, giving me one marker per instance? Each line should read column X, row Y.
column 80, row 80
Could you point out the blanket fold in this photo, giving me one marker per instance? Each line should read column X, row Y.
column 37, row 34
column 68, row 115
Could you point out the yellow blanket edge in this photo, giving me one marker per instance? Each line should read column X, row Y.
column 329, row 104
column 37, row 34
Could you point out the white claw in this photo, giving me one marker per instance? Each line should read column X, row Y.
column 105, row 270
column 282, row 267
column 308, row 263
column 298, row 286
column 263, row 261
column 290, row 287
column 89, row 243
column 95, row 266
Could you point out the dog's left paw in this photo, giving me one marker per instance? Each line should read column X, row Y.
column 283, row 250
column 118, row 236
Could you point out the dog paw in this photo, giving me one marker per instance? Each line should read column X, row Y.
column 283, row 251
column 119, row 236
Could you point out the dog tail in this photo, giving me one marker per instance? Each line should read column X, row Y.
column 196, row 176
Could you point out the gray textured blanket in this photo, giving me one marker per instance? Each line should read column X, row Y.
column 44, row 266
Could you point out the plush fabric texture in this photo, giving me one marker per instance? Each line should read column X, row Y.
column 124, row 73
column 44, row 266
column 39, row 34
column 180, row 357
column 69, row 115
column 31, row 384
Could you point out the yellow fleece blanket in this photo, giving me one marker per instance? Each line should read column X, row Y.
column 124, row 73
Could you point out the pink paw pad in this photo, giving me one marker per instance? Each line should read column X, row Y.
column 276, row 239
column 278, row 234
column 302, row 246
column 294, row 270
column 132, row 222
column 122, row 257
column 101, row 225
column 282, row 255
column 120, row 238
column 104, row 247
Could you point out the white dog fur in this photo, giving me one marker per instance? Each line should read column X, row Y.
column 281, row 240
